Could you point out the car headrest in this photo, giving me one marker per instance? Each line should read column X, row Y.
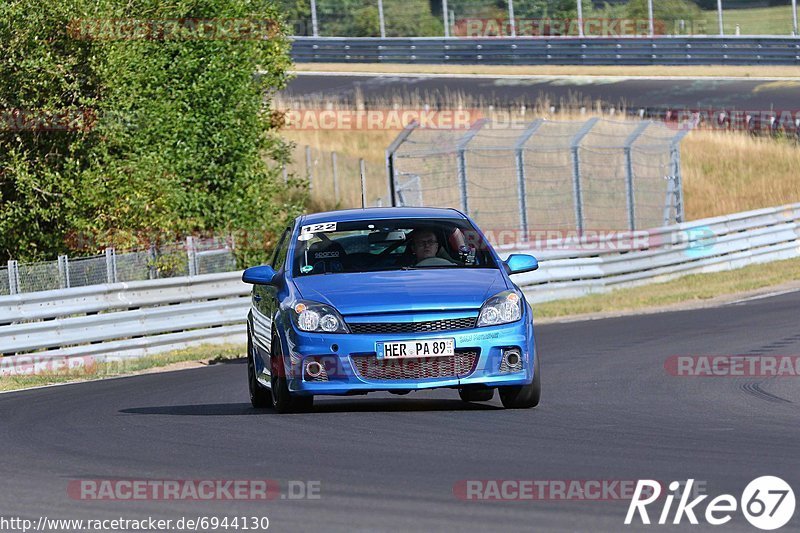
column 326, row 256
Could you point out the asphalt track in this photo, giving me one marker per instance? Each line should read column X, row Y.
column 610, row 411
column 649, row 93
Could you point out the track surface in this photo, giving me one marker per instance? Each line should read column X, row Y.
column 742, row 95
column 389, row 463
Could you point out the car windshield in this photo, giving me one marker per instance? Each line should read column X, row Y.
column 397, row 244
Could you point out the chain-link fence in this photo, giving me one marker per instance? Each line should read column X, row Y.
column 194, row 257
column 338, row 181
column 576, row 18
column 543, row 175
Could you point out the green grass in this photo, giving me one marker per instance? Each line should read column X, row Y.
column 208, row 354
column 776, row 20
column 692, row 288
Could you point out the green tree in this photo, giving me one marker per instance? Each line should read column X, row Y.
column 184, row 139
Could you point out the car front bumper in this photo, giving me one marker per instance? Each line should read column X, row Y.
column 351, row 363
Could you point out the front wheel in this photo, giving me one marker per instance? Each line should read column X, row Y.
column 283, row 400
column 523, row 396
column 260, row 397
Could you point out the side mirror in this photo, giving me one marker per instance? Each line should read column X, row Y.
column 259, row 275
column 519, row 263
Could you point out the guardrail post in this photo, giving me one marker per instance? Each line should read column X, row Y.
column 13, row 277
column 335, row 178
column 519, row 148
column 629, row 172
column 191, row 255
column 461, row 162
column 576, row 172
column 111, row 265
column 719, row 17
column 391, row 170
column 794, row 18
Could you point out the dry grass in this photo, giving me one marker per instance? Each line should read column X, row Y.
column 729, row 172
column 708, row 71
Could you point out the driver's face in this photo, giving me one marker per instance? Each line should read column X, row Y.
column 425, row 245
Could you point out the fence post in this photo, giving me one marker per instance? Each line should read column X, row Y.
column 675, row 156
column 314, row 25
column 512, row 21
column 13, row 277
column 309, row 175
column 63, row 272
column 629, row 172
column 151, row 262
column 461, row 162
column 363, row 171
column 391, row 171
column 191, row 255
column 380, row 19
column 335, row 178
column 111, row 265
column 576, row 172
column 445, row 19
column 519, row 148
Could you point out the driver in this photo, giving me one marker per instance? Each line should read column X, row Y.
column 425, row 247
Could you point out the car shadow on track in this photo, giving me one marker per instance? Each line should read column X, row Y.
column 326, row 406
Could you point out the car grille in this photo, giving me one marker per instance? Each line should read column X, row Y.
column 461, row 364
column 448, row 324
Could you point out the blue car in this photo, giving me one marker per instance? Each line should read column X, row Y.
column 389, row 299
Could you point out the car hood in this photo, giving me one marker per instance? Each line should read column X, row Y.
column 366, row 293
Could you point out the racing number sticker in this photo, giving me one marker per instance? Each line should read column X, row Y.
column 318, row 228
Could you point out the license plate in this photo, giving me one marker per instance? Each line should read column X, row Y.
column 426, row 348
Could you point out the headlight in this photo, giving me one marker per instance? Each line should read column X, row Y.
column 501, row 308
column 317, row 317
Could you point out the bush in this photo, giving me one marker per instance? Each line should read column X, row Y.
column 183, row 142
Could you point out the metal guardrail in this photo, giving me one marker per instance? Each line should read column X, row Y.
column 144, row 317
column 550, row 51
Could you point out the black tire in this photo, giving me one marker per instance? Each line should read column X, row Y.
column 523, row 396
column 260, row 396
column 476, row 395
column 284, row 401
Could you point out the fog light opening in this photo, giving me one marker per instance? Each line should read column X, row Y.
column 511, row 360
column 314, row 369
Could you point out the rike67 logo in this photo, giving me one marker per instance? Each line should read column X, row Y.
column 767, row 503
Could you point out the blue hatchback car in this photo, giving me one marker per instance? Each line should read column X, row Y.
column 389, row 299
